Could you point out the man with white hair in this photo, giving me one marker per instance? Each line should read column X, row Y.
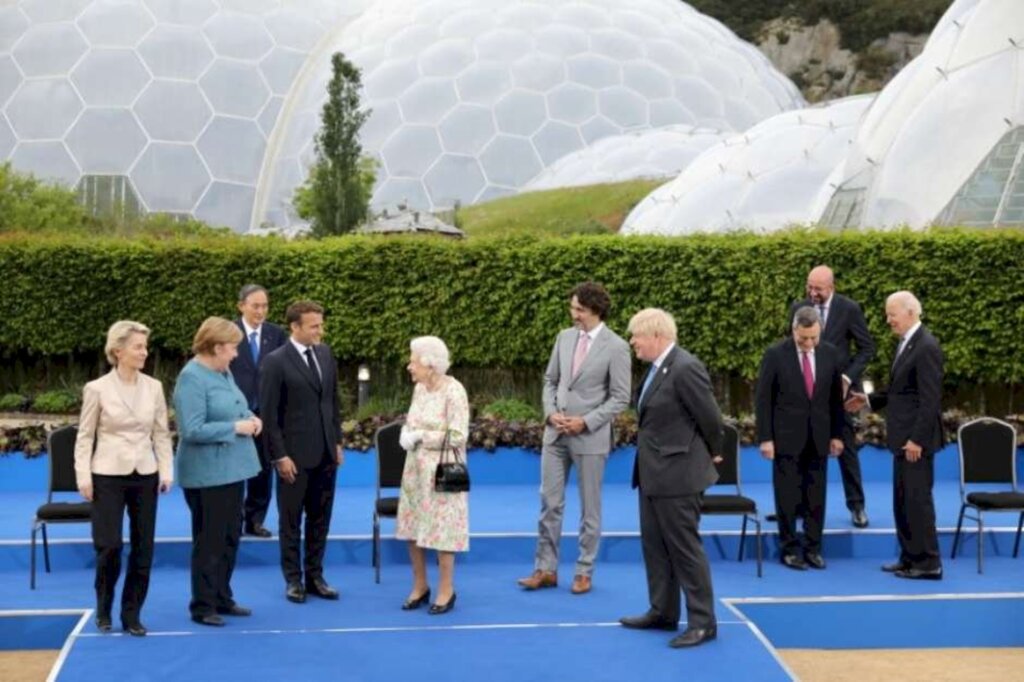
column 680, row 434
column 913, row 422
column 586, row 384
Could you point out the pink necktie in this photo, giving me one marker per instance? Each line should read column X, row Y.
column 808, row 374
column 581, row 352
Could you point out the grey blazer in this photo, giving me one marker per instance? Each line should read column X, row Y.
column 599, row 392
column 680, row 430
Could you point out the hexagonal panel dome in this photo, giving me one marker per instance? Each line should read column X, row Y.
column 771, row 176
column 655, row 153
column 552, row 75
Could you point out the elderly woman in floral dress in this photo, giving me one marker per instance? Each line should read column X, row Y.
column 429, row 519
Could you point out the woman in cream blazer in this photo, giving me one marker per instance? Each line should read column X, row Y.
column 123, row 456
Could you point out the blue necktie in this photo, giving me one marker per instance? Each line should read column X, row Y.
column 647, row 383
column 254, row 347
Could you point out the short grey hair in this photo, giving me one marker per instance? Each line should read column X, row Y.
column 248, row 290
column 907, row 300
column 432, row 353
column 118, row 335
column 653, row 322
column 806, row 317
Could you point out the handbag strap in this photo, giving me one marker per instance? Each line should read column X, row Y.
column 446, row 443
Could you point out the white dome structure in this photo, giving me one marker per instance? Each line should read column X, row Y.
column 471, row 99
column 165, row 105
column 944, row 141
column 654, row 153
column 771, row 176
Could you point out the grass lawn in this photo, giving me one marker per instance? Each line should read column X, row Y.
column 597, row 209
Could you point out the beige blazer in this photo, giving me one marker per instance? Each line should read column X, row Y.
column 117, row 439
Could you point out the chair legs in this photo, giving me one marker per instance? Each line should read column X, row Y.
column 32, row 558
column 757, row 527
column 46, row 549
column 743, row 537
column 376, row 547
column 1016, row 543
column 981, row 539
column 956, row 536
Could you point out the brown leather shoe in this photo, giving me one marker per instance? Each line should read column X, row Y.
column 539, row 579
column 581, row 584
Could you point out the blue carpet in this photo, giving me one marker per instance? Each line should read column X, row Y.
column 27, row 631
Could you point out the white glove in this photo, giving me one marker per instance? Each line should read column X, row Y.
column 409, row 437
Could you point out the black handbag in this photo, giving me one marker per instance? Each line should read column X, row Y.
column 451, row 476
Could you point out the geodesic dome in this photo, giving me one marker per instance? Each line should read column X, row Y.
column 208, row 107
column 771, row 176
column 944, row 141
column 473, row 98
column 653, row 153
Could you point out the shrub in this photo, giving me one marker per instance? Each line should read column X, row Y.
column 60, row 401
column 13, row 402
column 512, row 409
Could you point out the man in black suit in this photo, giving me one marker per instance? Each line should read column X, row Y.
column 843, row 324
column 799, row 403
column 680, row 432
column 259, row 338
column 913, row 424
column 302, row 434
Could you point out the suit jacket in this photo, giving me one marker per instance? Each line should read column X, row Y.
column 301, row 417
column 207, row 404
column 245, row 371
column 845, row 323
column 116, row 438
column 680, row 430
column 598, row 392
column 785, row 414
column 913, row 399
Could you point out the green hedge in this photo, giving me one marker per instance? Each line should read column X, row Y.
column 500, row 302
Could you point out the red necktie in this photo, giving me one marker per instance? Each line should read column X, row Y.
column 808, row 374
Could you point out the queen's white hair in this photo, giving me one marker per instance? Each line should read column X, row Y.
column 432, row 353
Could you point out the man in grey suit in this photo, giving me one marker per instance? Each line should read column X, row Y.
column 586, row 384
column 680, row 434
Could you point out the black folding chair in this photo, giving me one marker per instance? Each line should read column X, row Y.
column 390, row 464
column 988, row 454
column 61, row 452
column 738, row 505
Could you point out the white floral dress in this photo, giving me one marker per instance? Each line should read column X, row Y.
column 434, row 520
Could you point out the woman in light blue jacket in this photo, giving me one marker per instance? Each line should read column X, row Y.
column 216, row 455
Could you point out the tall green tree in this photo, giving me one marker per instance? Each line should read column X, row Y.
column 336, row 195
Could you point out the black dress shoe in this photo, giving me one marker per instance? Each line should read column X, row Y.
column 771, row 517
column 794, row 562
column 104, row 624
column 693, row 637
column 648, row 621
column 413, row 604
column 234, row 610
column 898, row 566
column 437, row 609
column 295, row 593
column 211, row 619
column 859, row 517
column 815, row 560
column 135, row 629
column 318, row 587
column 257, row 530
column 919, row 574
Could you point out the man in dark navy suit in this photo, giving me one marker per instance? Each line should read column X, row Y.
column 913, row 424
column 843, row 325
column 302, row 434
column 259, row 338
column 799, row 404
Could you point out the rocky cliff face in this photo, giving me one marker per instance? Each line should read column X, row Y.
column 812, row 57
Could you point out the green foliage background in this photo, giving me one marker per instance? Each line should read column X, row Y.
column 499, row 302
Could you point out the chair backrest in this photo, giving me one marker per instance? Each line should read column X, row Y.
column 988, row 452
column 390, row 456
column 729, row 467
column 61, row 450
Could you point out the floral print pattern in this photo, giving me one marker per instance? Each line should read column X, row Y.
column 434, row 520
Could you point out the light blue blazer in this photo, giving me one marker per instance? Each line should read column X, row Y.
column 207, row 404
